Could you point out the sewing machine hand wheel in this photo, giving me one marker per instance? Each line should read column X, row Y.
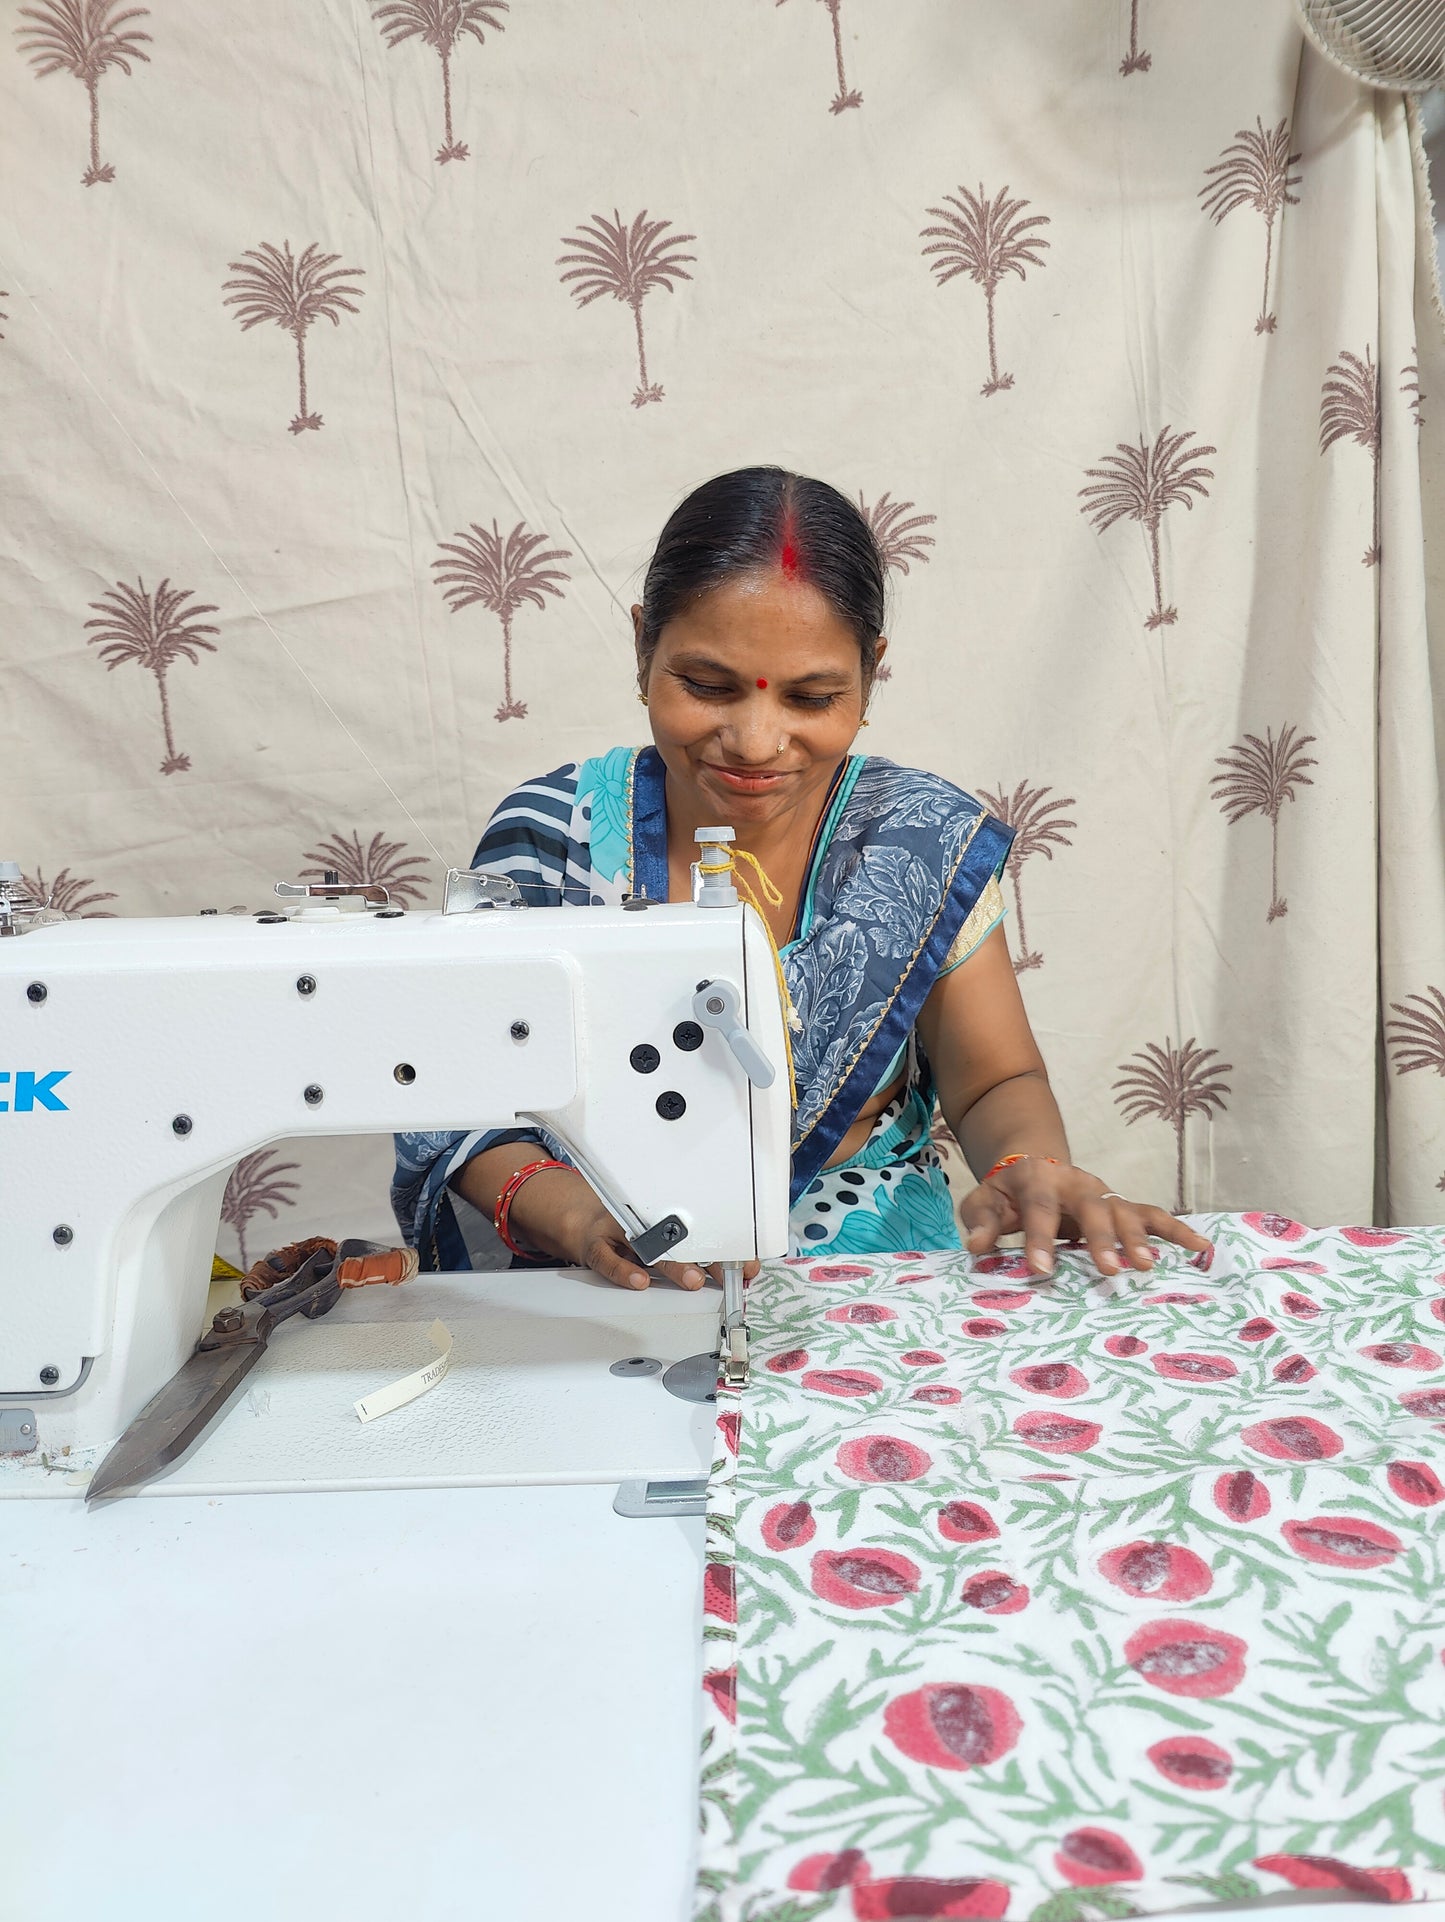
column 717, row 1004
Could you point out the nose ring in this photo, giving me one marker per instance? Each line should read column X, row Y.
column 782, row 743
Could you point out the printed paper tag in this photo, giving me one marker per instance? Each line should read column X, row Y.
column 410, row 1386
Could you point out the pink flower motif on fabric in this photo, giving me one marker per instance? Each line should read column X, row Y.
column 953, row 1725
column 1160, row 1571
column 1090, row 1857
column 883, row 1458
column 1187, row 1658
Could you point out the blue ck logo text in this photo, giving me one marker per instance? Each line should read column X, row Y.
column 33, row 1091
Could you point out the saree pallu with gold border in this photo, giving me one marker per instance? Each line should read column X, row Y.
column 902, row 884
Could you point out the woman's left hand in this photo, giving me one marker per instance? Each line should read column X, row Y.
column 1048, row 1200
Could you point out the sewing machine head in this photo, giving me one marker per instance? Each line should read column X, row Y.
column 145, row 1057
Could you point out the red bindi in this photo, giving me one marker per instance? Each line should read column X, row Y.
column 762, row 683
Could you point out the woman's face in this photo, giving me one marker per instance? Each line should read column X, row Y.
column 755, row 694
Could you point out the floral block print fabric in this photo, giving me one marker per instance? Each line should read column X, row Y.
column 1038, row 1600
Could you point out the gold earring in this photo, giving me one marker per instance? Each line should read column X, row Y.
column 864, row 721
column 642, row 697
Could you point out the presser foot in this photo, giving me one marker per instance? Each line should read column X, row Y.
column 734, row 1357
column 733, row 1334
column 699, row 1376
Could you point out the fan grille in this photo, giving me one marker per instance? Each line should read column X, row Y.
column 1388, row 43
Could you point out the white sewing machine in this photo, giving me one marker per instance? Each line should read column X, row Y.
column 452, row 1583
column 144, row 1058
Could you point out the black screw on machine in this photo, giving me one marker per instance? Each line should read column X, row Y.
column 687, row 1035
column 644, row 1058
column 50, row 1374
column 405, row 1073
column 520, row 1030
column 670, row 1105
column 306, row 984
column 36, row 992
column 62, row 1234
column 182, row 1124
column 313, row 1096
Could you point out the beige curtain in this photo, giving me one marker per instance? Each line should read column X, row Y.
column 351, row 364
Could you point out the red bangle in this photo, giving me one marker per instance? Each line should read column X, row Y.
column 1009, row 1160
column 508, row 1195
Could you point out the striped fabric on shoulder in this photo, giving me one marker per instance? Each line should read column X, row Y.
column 529, row 837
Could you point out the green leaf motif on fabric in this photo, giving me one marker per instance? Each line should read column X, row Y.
column 604, row 786
column 1101, row 1904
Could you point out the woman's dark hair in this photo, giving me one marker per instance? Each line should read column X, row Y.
column 765, row 517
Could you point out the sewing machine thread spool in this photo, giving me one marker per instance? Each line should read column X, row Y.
column 714, row 890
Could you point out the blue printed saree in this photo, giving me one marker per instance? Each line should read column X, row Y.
column 902, row 886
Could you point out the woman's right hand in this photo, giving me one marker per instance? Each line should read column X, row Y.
column 558, row 1212
column 603, row 1248
column 555, row 1212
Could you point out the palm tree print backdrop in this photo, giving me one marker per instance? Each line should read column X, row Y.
column 153, row 630
column 1036, row 815
column 1259, row 777
column 900, row 544
column 1350, row 410
column 629, row 263
column 1126, row 592
column 441, row 25
column 1254, row 171
column 86, row 39
column 258, row 1188
column 846, row 96
column 1140, row 483
column 1416, row 1037
column 1136, row 60
column 503, row 573
column 984, row 239
column 292, row 293
column 1174, row 1085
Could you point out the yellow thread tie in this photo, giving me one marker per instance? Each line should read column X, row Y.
column 774, row 899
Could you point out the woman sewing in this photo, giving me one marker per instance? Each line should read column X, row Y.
column 759, row 639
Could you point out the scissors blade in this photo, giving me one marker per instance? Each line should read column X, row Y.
column 172, row 1418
